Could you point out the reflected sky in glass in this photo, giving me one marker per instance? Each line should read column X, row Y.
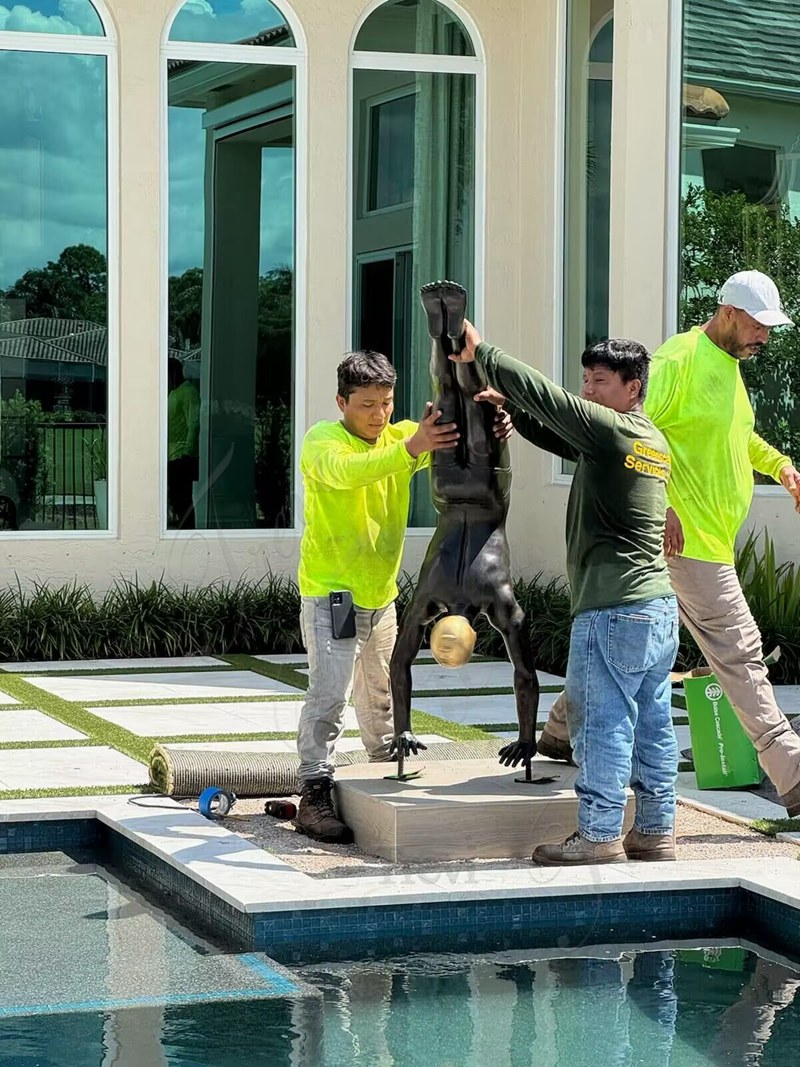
column 227, row 21
column 51, row 16
column 52, row 158
column 187, row 161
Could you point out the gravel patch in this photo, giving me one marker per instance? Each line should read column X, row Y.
column 699, row 837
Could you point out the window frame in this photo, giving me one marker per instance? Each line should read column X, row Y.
column 263, row 55
column 106, row 46
column 422, row 63
column 372, row 153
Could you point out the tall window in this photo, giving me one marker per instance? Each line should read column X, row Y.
column 740, row 189
column 229, row 379
column 590, row 58
column 54, row 232
column 413, row 209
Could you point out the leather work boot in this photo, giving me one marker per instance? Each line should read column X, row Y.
column 576, row 850
column 552, row 747
column 316, row 816
column 652, row 847
column 791, row 801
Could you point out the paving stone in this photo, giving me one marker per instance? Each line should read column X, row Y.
column 63, row 768
column 285, row 657
column 185, row 684
column 472, row 676
column 178, row 662
column 34, row 726
column 479, row 709
column 344, row 744
column 174, row 720
column 788, row 697
column 431, row 676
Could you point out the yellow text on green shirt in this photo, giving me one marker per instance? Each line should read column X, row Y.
column 697, row 398
column 356, row 511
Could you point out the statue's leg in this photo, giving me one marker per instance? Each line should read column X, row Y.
column 507, row 616
column 415, row 618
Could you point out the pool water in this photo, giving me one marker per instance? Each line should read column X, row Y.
column 669, row 1008
column 92, row 974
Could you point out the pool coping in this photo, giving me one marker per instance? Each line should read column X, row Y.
column 253, row 881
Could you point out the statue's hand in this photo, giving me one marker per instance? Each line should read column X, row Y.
column 406, row 744
column 517, row 752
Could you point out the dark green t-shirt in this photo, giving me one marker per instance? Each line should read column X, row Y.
column 617, row 503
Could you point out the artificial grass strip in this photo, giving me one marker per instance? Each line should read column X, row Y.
column 77, row 791
column 274, row 735
column 154, row 702
column 423, row 723
column 771, row 827
column 101, row 672
column 75, row 742
column 278, row 672
column 75, row 715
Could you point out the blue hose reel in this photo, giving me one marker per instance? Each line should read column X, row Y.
column 215, row 803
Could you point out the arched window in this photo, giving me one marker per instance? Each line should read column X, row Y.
column 590, row 58
column 416, row 214
column 58, row 351
column 232, row 245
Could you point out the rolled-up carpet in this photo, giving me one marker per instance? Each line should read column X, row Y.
column 186, row 772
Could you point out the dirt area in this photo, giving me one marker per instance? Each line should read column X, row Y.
column 699, row 836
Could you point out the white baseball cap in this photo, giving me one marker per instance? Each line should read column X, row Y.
column 757, row 294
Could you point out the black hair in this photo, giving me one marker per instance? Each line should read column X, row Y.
column 364, row 368
column 628, row 359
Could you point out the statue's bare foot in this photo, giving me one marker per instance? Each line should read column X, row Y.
column 517, row 752
column 454, row 298
column 406, row 744
column 445, row 305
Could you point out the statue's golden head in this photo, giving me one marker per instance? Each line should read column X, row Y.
column 452, row 641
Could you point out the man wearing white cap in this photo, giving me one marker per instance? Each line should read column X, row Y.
column 699, row 402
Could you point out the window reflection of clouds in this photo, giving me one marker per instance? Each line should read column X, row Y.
column 225, row 21
column 52, row 16
column 52, row 157
column 187, row 147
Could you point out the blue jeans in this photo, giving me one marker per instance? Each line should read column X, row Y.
column 619, row 716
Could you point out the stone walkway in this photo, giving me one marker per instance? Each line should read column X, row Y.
column 83, row 726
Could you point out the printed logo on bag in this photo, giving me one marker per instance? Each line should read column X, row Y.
column 714, row 691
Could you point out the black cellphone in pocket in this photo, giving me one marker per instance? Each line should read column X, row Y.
column 343, row 614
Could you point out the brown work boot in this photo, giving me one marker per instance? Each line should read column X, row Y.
column 552, row 747
column 791, row 801
column 577, row 849
column 652, row 847
column 316, row 816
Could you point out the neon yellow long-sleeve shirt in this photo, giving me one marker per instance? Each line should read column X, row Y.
column 697, row 398
column 356, row 511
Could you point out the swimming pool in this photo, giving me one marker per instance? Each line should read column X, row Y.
column 94, row 971
column 670, row 1007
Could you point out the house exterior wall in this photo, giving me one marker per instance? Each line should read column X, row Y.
column 523, row 43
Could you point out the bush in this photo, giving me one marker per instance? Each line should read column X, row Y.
column 252, row 617
column 153, row 619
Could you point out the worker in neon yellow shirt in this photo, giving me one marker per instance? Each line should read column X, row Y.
column 699, row 402
column 357, row 477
